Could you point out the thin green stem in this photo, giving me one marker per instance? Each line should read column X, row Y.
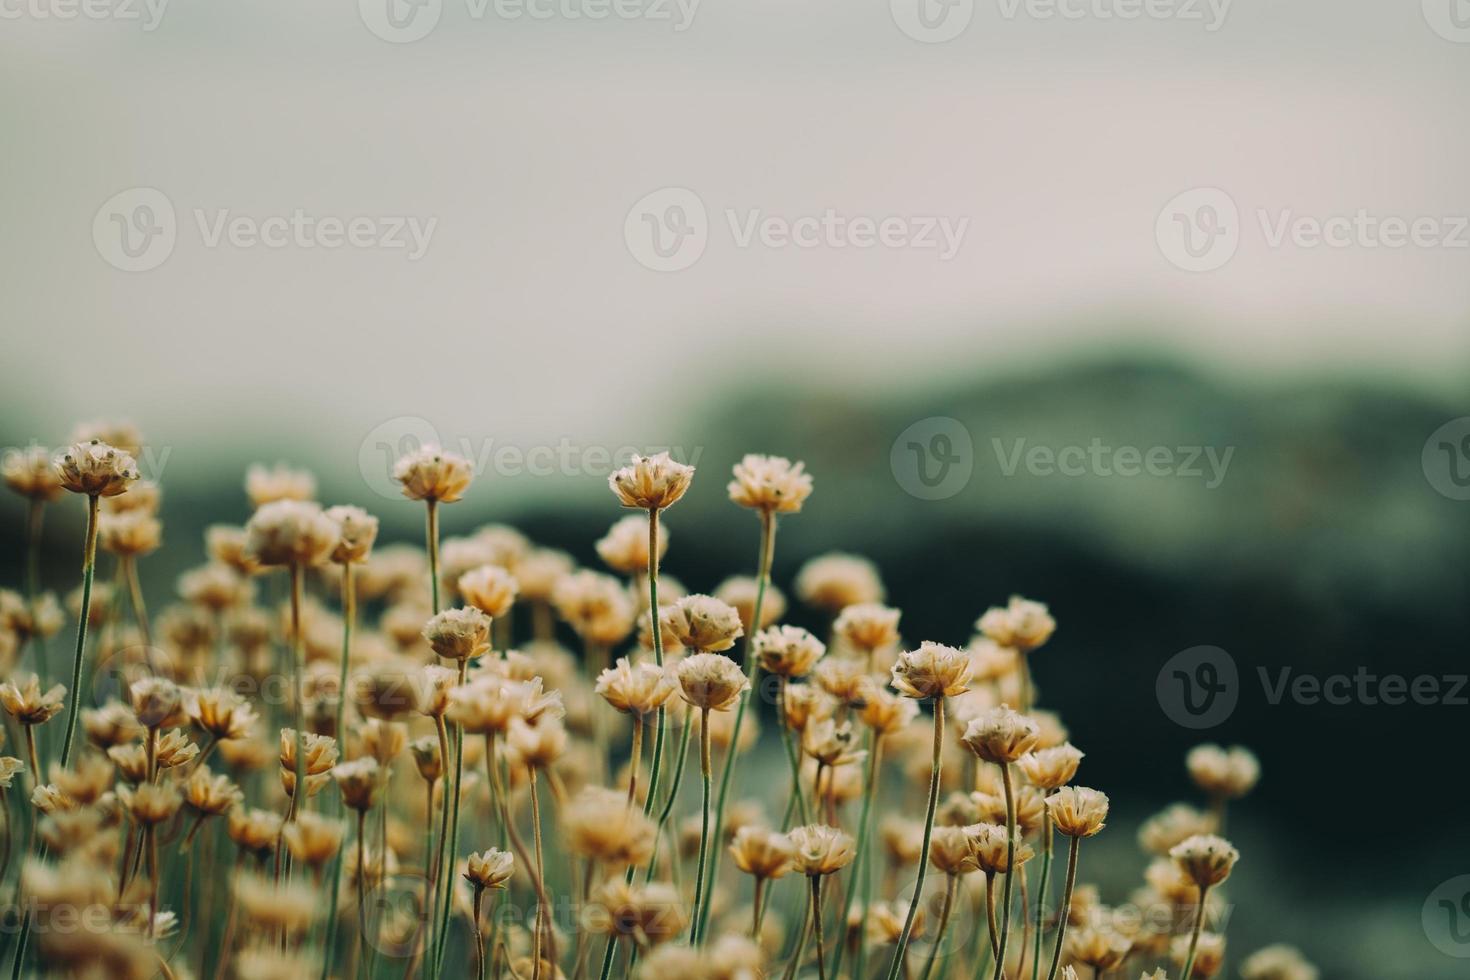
column 862, row 863
column 656, row 763
column 449, row 847
column 89, row 564
column 680, row 759
column 1199, row 924
column 34, row 520
column 699, row 875
column 816, row 883
column 793, row 756
column 901, row 947
column 431, row 534
column 952, row 881
column 752, row 676
column 1005, row 904
column 1046, row 850
column 1066, row 909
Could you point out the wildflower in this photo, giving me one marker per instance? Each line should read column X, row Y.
column 215, row 586
column 1206, row 859
column 1000, row 735
column 22, row 698
column 651, row 482
column 844, row 678
column 459, row 634
column 804, row 704
column 702, row 623
column 388, row 690
column 952, row 851
column 990, row 843
column 624, row 548
column 209, row 794
column 489, row 588
column 787, row 651
column 174, row 749
column 157, row 702
column 868, row 625
column 270, row 484
column 130, row 534
column 771, row 484
column 31, row 473
column 835, row 581
column 1050, row 768
column 710, row 681
column 1020, row 625
column 600, row 825
column 636, row 688
column 821, row 850
column 425, row 752
column 491, row 868
column 1161, row 832
column 596, row 605
column 290, row 532
column 358, row 780
column 933, row 670
column 762, row 853
column 1277, row 963
column 1099, row 947
column 1209, row 954
column 150, row 803
column 96, row 469
column 356, row 532
column 254, row 830
column 739, row 592
column 9, row 766
column 1224, row 774
column 886, row 713
column 1078, row 811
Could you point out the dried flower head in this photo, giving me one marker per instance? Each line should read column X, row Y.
column 489, row 588
column 771, row 484
column 1206, row 859
column 1099, row 947
column 491, row 868
column 1078, row 811
column 1173, row 825
column 290, row 532
column 651, row 482
column 600, row 825
column 31, row 473
column 952, row 851
column 787, row 651
column 834, row 581
column 254, row 830
column 209, row 794
column 359, row 781
column 313, row 839
column 868, row 626
column 933, row 670
column 1209, row 954
column 636, row 688
column 356, row 532
column 1021, row 624
column 625, row 546
column 96, row 469
column 150, row 803
column 1001, row 735
column 710, row 681
column 1051, row 768
column 269, row 484
column 459, row 634
column 9, row 767
column 702, row 623
column 220, row 713
column 1278, row 962
column 990, row 843
column 886, row 713
column 762, row 852
column 820, row 849
column 1223, row 773
column 803, row 704
column 432, row 473
column 157, row 702
column 740, row 591
column 22, row 698
column 597, row 606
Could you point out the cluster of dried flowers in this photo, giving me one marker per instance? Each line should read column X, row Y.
column 479, row 797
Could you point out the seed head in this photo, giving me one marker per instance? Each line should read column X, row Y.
column 431, row 473
column 805, row 704
column 290, row 532
column 710, row 681
column 489, row 588
column 772, row 484
column 933, row 670
column 1206, row 859
column 651, row 482
column 356, row 532
column 459, row 634
column 1223, row 773
column 269, row 484
column 491, row 868
column 702, row 623
column 820, row 849
column 96, row 469
column 788, row 651
column 1078, row 811
column 1001, row 735
column 31, row 473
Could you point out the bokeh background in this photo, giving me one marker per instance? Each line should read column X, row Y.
column 1334, row 540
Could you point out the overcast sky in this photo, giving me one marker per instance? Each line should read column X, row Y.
column 1006, row 195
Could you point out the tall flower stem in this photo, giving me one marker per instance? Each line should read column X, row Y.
column 542, row 926
column 793, row 757
column 1046, row 850
column 349, row 613
column 449, row 841
column 795, row 963
column 752, row 671
column 89, row 565
column 431, row 535
column 135, row 598
column 656, row 763
column 755, row 907
column 862, row 876
column 362, row 929
column 951, row 883
column 34, row 519
column 816, row 883
column 1005, row 904
column 704, row 772
column 299, row 790
column 637, row 758
column 901, row 947
column 1066, row 909
column 1199, row 924
column 680, row 758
